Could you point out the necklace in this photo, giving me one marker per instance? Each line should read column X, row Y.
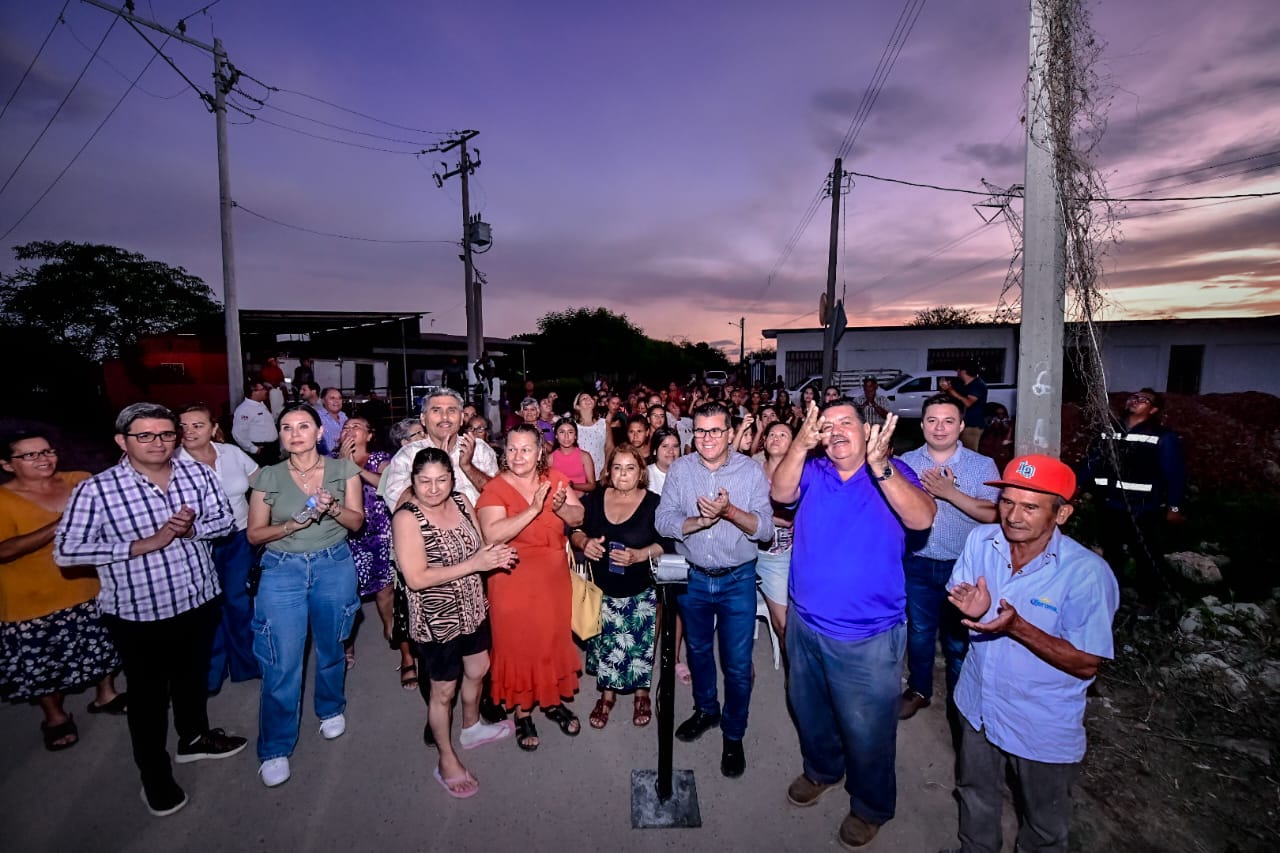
column 304, row 476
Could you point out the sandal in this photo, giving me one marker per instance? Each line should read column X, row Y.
column 643, row 712
column 116, row 707
column 600, row 713
column 564, row 718
column 60, row 732
column 351, row 659
column 409, row 676
column 526, row 731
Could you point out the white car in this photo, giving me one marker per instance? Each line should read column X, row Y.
column 715, row 378
column 907, row 394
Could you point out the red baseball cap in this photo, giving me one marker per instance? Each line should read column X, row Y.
column 1038, row 473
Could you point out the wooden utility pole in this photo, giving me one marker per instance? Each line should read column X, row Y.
column 224, row 77
column 829, row 333
column 466, row 166
column 1039, row 421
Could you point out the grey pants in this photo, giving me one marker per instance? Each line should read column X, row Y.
column 1042, row 797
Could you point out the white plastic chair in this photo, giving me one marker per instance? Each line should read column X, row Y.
column 762, row 612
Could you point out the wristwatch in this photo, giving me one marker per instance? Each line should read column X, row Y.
column 887, row 473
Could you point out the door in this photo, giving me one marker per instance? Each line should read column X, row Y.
column 1186, row 362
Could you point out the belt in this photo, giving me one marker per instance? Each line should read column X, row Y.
column 712, row 573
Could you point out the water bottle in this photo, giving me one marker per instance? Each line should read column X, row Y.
column 309, row 511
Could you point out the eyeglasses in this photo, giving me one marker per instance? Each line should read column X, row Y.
column 168, row 436
column 478, row 429
column 1142, row 398
column 416, row 436
column 713, row 432
column 36, row 454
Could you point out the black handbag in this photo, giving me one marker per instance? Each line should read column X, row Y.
column 399, row 611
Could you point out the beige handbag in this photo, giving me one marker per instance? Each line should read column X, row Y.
column 584, row 606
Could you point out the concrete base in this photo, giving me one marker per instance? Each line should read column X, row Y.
column 679, row 811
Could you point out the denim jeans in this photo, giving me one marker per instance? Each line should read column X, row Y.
column 232, row 652
column 724, row 605
column 319, row 588
column 929, row 615
column 844, row 695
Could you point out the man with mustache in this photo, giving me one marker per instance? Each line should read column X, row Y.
column 846, row 626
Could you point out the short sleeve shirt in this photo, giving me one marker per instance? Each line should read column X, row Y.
column 285, row 499
column 951, row 526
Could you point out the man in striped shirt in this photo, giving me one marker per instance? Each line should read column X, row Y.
column 146, row 526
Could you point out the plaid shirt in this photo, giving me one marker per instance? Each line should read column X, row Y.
column 109, row 512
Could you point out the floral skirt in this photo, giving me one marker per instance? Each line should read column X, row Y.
column 621, row 655
column 65, row 650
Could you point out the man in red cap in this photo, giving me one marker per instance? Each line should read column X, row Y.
column 1039, row 607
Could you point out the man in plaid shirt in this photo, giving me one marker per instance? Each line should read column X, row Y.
column 146, row 525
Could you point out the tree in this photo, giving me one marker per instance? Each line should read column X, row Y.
column 943, row 317
column 577, row 342
column 99, row 299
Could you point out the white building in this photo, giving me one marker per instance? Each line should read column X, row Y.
column 1179, row 356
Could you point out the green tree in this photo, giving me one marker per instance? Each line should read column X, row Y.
column 944, row 317
column 99, row 299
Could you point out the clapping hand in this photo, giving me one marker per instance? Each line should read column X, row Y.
column 561, row 495
column 493, row 557
column 466, row 448
column 540, row 496
column 715, row 508
column 180, row 523
column 940, row 482
column 1005, row 616
column 973, row 601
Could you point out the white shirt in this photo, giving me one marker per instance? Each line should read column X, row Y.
column 397, row 474
column 657, row 479
column 233, row 468
column 591, row 439
column 252, row 424
column 684, row 428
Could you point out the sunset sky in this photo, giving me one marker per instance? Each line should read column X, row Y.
column 653, row 158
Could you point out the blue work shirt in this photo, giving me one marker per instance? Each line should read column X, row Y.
column 1028, row 707
column 951, row 526
column 723, row 545
column 847, row 580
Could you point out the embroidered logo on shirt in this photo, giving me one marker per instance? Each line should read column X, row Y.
column 1044, row 602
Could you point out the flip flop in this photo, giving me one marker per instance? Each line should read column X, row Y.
column 458, row 780
column 409, row 676
column 116, row 707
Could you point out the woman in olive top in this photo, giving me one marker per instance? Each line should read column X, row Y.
column 302, row 510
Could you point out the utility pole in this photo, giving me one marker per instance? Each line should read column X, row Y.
column 742, row 341
column 829, row 333
column 224, row 78
column 466, row 166
column 1039, row 421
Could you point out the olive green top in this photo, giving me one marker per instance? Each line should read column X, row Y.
column 285, row 499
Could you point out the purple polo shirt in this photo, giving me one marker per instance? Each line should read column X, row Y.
column 846, row 564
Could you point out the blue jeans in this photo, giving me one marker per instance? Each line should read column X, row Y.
column 233, row 642
column 844, row 695
column 725, row 604
column 930, row 614
column 319, row 588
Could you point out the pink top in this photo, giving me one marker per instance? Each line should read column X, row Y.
column 570, row 464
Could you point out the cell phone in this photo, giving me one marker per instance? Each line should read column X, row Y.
column 614, row 567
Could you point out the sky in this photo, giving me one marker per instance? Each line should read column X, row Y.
column 653, row 158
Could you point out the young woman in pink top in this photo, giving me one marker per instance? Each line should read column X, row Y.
column 571, row 460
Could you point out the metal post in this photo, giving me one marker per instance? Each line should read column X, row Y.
column 1039, row 420
column 230, row 302
column 829, row 333
column 666, row 691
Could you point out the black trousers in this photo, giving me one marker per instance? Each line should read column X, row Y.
column 1143, row 534
column 165, row 660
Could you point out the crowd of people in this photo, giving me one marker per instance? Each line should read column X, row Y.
column 194, row 560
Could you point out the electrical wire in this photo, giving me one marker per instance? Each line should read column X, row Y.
column 1104, row 199
column 257, row 118
column 1202, row 169
column 274, row 221
column 120, row 73
column 76, row 156
column 204, row 96
column 61, row 104
column 262, row 103
column 32, row 63
column 204, row 10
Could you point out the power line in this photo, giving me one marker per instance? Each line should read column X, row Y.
column 204, row 10
column 120, row 73
column 32, row 64
column 76, row 156
column 264, row 103
column 1202, row 169
column 61, row 104
column 254, row 118
column 1105, row 199
column 888, row 58
column 266, row 218
column 204, row 96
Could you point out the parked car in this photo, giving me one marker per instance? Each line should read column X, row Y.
column 715, row 378
column 905, row 395
column 848, row 381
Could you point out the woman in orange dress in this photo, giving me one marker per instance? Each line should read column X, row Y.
column 534, row 659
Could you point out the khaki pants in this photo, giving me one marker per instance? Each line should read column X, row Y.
column 969, row 437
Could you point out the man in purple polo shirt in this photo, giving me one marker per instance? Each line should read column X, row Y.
column 846, row 630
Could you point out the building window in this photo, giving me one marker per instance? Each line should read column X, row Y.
column 991, row 360
column 1185, row 365
column 801, row 364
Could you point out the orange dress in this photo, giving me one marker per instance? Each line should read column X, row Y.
column 534, row 660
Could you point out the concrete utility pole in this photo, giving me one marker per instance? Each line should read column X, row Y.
column 224, row 77
column 466, row 166
column 1039, row 421
column 829, row 333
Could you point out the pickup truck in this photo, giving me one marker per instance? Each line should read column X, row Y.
column 848, row 381
column 905, row 395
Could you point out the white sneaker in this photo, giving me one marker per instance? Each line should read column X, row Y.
column 274, row 771
column 334, row 727
column 482, row 733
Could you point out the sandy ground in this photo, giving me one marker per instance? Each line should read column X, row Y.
column 372, row 789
